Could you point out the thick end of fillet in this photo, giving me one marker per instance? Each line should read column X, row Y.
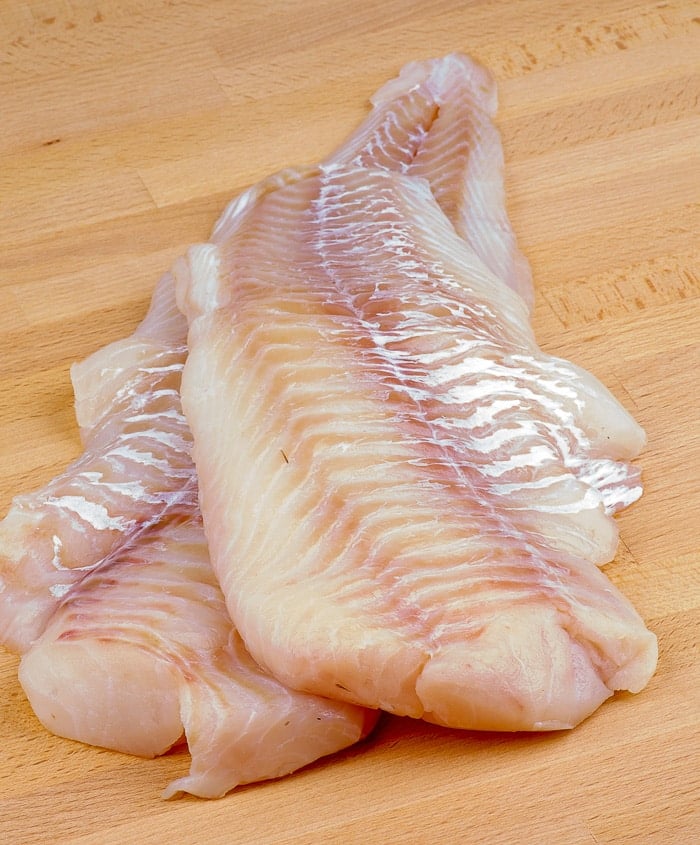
column 531, row 668
column 113, row 696
column 527, row 672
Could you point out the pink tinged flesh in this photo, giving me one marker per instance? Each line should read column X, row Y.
column 135, row 467
column 141, row 653
column 405, row 498
column 398, row 578
column 144, row 650
column 434, row 121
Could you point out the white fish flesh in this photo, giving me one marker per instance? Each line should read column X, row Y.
column 143, row 648
column 135, row 467
column 435, row 121
column 405, row 499
column 137, row 647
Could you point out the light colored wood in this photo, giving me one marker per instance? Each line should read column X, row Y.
column 126, row 126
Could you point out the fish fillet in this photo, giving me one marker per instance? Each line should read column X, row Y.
column 135, row 467
column 406, row 501
column 139, row 645
column 435, row 121
column 144, row 647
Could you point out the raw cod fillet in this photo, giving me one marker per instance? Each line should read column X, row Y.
column 435, row 121
column 136, row 466
column 406, row 501
column 138, row 646
column 144, row 647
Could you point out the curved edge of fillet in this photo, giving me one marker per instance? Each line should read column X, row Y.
column 144, row 654
column 238, row 208
column 99, row 377
column 550, row 681
column 72, row 687
column 269, row 732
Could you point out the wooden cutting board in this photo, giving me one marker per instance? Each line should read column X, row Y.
column 124, row 129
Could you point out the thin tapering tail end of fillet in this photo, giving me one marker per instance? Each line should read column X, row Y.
column 435, row 121
column 435, row 74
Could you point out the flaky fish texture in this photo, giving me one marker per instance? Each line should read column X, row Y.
column 141, row 648
column 136, row 465
column 406, row 500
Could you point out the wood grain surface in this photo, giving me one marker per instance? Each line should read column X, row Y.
column 124, row 129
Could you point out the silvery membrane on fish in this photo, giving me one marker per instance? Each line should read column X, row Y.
column 136, row 465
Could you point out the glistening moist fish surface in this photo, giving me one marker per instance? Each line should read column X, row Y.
column 435, row 121
column 410, row 496
column 406, row 500
column 141, row 648
column 137, row 446
column 135, row 467
column 144, row 649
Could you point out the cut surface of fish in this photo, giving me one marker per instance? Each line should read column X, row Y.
column 144, row 647
column 136, row 465
column 138, row 647
column 435, row 121
column 406, row 500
